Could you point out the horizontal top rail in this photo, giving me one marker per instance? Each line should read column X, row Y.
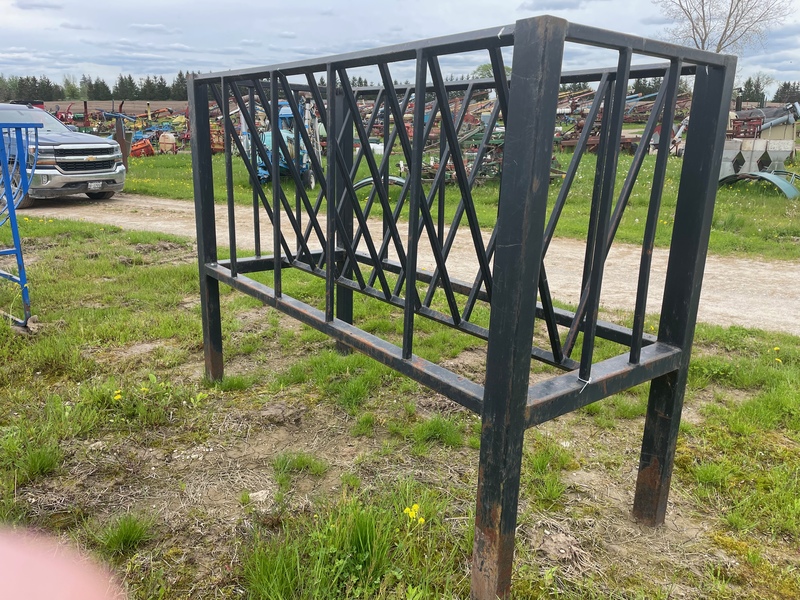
column 645, row 71
column 481, row 39
column 451, row 44
column 602, row 38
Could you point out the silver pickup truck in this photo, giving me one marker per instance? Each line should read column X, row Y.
column 69, row 162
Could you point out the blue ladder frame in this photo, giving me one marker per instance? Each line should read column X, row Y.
column 16, row 139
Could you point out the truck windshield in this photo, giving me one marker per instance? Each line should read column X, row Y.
column 24, row 114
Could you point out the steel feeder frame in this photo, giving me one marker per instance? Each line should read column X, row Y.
column 507, row 402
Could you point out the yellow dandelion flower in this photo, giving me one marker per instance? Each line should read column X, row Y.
column 778, row 360
column 421, row 521
column 415, row 508
column 776, row 348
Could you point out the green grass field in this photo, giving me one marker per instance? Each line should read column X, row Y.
column 305, row 473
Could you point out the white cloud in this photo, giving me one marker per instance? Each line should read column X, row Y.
column 37, row 5
column 551, row 5
column 154, row 28
column 76, row 26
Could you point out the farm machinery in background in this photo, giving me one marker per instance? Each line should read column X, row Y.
column 297, row 152
column 161, row 130
column 572, row 118
column 470, row 140
column 289, row 127
column 473, row 138
column 761, row 141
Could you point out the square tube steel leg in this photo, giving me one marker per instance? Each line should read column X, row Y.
column 535, row 79
column 206, row 231
column 694, row 210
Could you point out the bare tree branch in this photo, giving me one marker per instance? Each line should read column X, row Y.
column 723, row 25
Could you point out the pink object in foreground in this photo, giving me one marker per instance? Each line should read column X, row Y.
column 34, row 567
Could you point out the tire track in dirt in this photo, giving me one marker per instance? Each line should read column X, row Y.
column 736, row 291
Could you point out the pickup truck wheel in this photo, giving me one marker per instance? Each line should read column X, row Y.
column 100, row 195
column 26, row 202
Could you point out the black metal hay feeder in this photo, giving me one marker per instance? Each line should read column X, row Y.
column 327, row 233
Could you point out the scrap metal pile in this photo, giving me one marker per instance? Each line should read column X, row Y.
column 761, row 142
column 154, row 131
column 572, row 112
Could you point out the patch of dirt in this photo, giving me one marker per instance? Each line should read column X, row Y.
column 595, row 532
column 470, row 364
column 194, row 488
column 125, row 353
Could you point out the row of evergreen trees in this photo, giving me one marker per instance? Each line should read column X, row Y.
column 86, row 88
column 754, row 90
column 788, row 91
column 156, row 88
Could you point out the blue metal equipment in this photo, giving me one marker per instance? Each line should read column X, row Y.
column 289, row 128
column 19, row 144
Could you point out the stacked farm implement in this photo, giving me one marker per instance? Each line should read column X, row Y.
column 761, row 142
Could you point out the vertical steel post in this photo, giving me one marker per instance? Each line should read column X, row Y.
column 229, row 131
column 203, row 178
column 440, row 206
column 416, row 198
column 615, row 118
column 687, row 257
column 275, row 172
column 672, row 82
column 298, row 211
column 387, row 151
column 538, row 51
column 255, row 182
column 344, row 295
column 331, row 197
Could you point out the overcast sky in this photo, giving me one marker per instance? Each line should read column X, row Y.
column 105, row 38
